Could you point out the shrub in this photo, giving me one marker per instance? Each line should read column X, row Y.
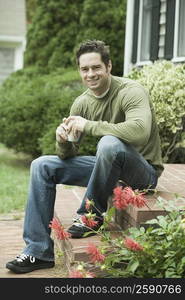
column 33, row 104
column 52, row 33
column 58, row 26
column 166, row 85
column 101, row 20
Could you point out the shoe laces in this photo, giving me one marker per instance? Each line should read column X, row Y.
column 22, row 257
column 78, row 221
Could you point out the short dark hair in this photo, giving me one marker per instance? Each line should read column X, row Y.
column 97, row 46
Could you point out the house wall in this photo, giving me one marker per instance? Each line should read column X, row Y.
column 167, row 35
column 12, row 36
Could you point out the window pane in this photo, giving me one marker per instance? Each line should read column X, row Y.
column 146, row 30
column 181, row 41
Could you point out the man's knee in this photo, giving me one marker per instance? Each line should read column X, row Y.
column 39, row 163
column 109, row 146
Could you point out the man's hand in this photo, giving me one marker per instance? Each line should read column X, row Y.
column 61, row 133
column 75, row 124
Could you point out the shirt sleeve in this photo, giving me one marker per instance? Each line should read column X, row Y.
column 137, row 119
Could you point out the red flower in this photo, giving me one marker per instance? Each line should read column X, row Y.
column 118, row 202
column 81, row 274
column 95, row 254
column 122, row 197
column 76, row 274
column 61, row 234
column 139, row 200
column 126, row 196
column 89, row 221
column 132, row 245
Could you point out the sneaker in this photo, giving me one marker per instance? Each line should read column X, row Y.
column 78, row 229
column 25, row 263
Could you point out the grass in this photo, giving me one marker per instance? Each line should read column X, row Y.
column 14, row 178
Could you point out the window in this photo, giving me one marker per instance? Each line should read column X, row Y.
column 6, row 62
column 181, row 29
column 145, row 30
column 179, row 33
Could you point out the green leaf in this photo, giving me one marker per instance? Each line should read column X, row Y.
column 153, row 221
column 162, row 221
column 110, row 213
column 133, row 265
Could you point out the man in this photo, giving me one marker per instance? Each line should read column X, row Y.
column 120, row 113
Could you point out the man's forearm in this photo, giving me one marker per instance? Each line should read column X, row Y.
column 132, row 132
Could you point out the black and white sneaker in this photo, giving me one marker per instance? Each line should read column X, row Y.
column 25, row 263
column 80, row 230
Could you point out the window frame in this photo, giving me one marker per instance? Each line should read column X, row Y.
column 140, row 62
column 177, row 58
column 19, row 45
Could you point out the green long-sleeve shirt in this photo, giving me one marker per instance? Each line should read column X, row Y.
column 126, row 112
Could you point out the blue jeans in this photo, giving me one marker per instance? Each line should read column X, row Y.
column 114, row 161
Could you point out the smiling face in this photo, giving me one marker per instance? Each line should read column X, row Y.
column 94, row 73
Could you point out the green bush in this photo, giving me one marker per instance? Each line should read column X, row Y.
column 101, row 20
column 33, row 104
column 58, row 26
column 51, row 35
column 166, row 85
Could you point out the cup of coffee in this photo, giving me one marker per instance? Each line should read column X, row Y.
column 72, row 138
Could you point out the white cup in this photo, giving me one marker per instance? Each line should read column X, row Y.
column 72, row 138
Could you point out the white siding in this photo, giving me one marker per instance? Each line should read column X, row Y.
column 162, row 30
column 12, row 17
column 12, row 36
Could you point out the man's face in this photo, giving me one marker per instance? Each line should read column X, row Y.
column 95, row 75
